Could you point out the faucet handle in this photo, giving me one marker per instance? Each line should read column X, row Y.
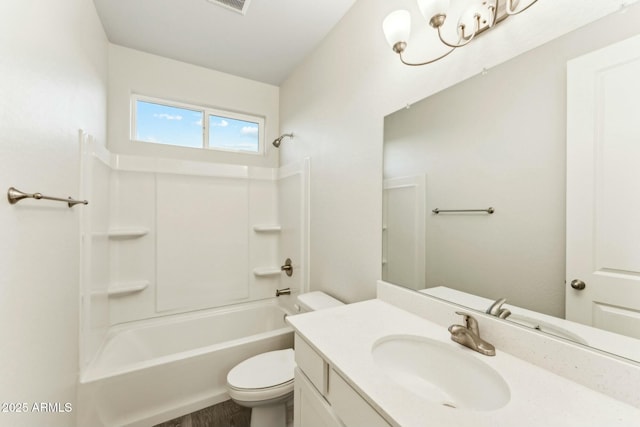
column 496, row 306
column 496, row 309
column 470, row 322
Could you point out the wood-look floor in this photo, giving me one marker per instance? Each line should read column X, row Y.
column 225, row 414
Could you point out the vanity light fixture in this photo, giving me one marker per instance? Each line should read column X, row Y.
column 478, row 17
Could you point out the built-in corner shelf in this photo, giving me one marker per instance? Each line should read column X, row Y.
column 267, row 228
column 127, row 288
column 127, row 232
column 267, row 271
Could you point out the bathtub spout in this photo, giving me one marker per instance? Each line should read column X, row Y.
column 285, row 291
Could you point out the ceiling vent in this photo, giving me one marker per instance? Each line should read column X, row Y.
column 239, row 6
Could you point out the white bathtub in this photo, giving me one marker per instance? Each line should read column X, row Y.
column 150, row 371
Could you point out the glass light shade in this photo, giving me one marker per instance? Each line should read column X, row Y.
column 430, row 8
column 397, row 27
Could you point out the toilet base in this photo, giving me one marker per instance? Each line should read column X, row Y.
column 269, row 415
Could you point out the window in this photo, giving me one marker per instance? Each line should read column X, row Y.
column 226, row 133
column 170, row 123
column 165, row 124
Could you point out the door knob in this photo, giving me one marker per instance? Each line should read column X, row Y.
column 578, row 284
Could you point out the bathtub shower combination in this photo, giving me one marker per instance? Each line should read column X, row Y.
column 176, row 291
column 153, row 370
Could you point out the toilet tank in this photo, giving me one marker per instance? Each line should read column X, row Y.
column 312, row 301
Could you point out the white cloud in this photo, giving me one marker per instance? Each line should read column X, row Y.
column 150, row 138
column 167, row 116
column 249, row 130
column 198, row 123
column 221, row 123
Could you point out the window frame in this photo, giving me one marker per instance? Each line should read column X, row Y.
column 207, row 112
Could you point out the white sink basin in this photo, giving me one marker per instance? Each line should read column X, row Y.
column 546, row 327
column 441, row 373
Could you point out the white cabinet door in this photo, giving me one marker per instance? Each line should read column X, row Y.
column 603, row 188
column 350, row 407
column 310, row 408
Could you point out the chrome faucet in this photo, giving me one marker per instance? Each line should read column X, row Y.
column 469, row 335
column 285, row 291
column 496, row 309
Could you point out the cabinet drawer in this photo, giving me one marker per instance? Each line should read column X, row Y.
column 350, row 407
column 310, row 362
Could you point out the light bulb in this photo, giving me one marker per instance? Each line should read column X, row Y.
column 397, row 27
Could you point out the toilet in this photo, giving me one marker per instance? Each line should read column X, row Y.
column 264, row 382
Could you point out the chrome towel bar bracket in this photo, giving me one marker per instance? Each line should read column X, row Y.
column 14, row 196
column 488, row 210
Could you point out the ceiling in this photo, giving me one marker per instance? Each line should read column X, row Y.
column 265, row 44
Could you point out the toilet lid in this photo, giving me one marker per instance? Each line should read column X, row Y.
column 264, row 370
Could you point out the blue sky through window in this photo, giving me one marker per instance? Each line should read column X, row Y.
column 232, row 134
column 183, row 127
column 162, row 124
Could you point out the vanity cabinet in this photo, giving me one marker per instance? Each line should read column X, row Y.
column 310, row 409
column 322, row 398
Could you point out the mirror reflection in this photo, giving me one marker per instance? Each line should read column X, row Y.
column 549, row 141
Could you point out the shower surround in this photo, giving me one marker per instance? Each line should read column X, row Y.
column 163, row 238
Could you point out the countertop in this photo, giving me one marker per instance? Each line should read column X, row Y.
column 344, row 337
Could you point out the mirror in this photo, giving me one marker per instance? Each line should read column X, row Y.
column 499, row 140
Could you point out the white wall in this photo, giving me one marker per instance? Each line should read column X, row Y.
column 135, row 72
column 336, row 100
column 53, row 74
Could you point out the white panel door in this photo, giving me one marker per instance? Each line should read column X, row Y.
column 403, row 234
column 603, row 188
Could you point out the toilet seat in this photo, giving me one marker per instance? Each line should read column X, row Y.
column 264, row 396
column 264, row 377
